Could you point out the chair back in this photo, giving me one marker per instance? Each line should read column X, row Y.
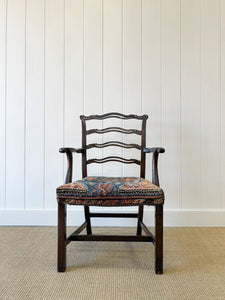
column 86, row 147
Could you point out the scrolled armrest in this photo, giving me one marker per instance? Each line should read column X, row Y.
column 155, row 151
column 69, row 153
column 69, row 149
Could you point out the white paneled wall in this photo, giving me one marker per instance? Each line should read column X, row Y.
column 63, row 58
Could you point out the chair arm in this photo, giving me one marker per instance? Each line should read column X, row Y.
column 67, row 149
column 155, row 151
column 69, row 154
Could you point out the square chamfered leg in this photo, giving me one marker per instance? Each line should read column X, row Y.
column 159, row 239
column 61, row 237
column 88, row 219
column 140, row 219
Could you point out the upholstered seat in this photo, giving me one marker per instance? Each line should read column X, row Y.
column 110, row 191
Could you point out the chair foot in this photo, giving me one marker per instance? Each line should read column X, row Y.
column 159, row 239
column 61, row 267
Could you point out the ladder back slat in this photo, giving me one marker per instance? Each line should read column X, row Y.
column 113, row 158
column 113, row 143
column 114, row 129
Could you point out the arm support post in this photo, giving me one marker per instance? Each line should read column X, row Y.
column 69, row 154
column 62, row 240
column 155, row 151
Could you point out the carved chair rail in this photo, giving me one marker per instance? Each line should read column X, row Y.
column 113, row 115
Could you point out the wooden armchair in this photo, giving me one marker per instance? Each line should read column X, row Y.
column 112, row 191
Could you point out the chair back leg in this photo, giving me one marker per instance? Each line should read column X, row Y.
column 61, row 237
column 140, row 218
column 159, row 239
column 87, row 219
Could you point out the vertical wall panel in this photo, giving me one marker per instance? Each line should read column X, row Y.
column 74, row 78
column 34, row 155
column 15, row 116
column 54, row 98
column 3, row 9
column 151, row 75
column 132, row 98
column 191, row 103
column 93, row 72
column 112, row 77
column 223, row 99
column 210, row 108
column 171, row 180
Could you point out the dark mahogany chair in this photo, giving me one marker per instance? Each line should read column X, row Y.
column 112, row 191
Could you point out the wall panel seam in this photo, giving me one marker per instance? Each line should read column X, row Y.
column 25, row 101
column 44, row 119
column 181, row 107
column 141, row 58
column 102, row 77
column 64, row 98
column 83, row 58
column 6, row 73
column 122, row 77
column 201, row 98
column 162, row 81
column 160, row 86
column 221, row 106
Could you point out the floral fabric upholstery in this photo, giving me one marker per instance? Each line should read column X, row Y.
column 110, row 191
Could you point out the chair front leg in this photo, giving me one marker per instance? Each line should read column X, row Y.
column 61, row 237
column 159, row 239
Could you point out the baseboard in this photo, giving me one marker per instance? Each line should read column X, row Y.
column 75, row 218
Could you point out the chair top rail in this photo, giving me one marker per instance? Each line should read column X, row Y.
column 114, row 129
column 113, row 115
column 113, row 143
column 113, row 158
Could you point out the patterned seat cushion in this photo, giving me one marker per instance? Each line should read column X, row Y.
column 110, row 191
